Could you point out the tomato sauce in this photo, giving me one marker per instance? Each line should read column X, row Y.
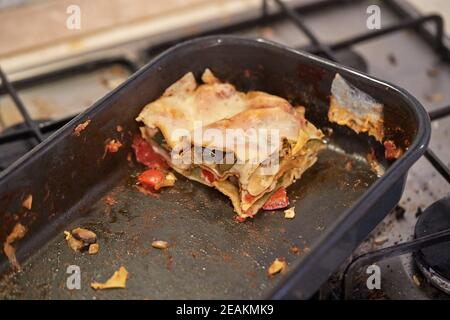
column 151, row 178
column 278, row 200
column 147, row 156
column 208, row 176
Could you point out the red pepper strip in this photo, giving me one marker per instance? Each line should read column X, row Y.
column 208, row 176
column 249, row 198
column 278, row 200
column 149, row 179
column 146, row 155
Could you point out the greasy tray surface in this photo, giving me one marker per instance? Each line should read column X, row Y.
column 69, row 175
column 210, row 255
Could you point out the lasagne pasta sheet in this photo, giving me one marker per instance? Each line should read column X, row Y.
column 246, row 145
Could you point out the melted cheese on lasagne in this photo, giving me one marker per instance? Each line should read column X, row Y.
column 247, row 178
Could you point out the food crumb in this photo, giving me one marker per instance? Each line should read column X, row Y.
column 110, row 201
column 79, row 239
column 85, row 235
column 119, row 128
column 159, row 244
column 380, row 240
column 391, row 151
column 295, row 249
column 28, row 202
column 155, row 179
column 17, row 233
column 74, row 244
column 112, row 146
column 80, row 127
column 279, row 265
column 10, row 253
column 93, row 248
column 289, row 213
column 374, row 164
column 169, row 181
column 416, row 280
column 349, row 166
column 118, row 280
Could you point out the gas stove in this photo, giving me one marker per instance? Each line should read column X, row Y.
column 411, row 246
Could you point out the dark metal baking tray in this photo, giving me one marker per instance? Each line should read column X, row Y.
column 210, row 255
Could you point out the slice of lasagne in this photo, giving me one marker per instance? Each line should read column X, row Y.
column 355, row 109
column 249, row 146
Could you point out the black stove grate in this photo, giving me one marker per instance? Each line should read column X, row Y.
column 434, row 36
column 31, row 132
column 32, row 128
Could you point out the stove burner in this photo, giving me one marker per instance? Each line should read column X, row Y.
column 434, row 261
